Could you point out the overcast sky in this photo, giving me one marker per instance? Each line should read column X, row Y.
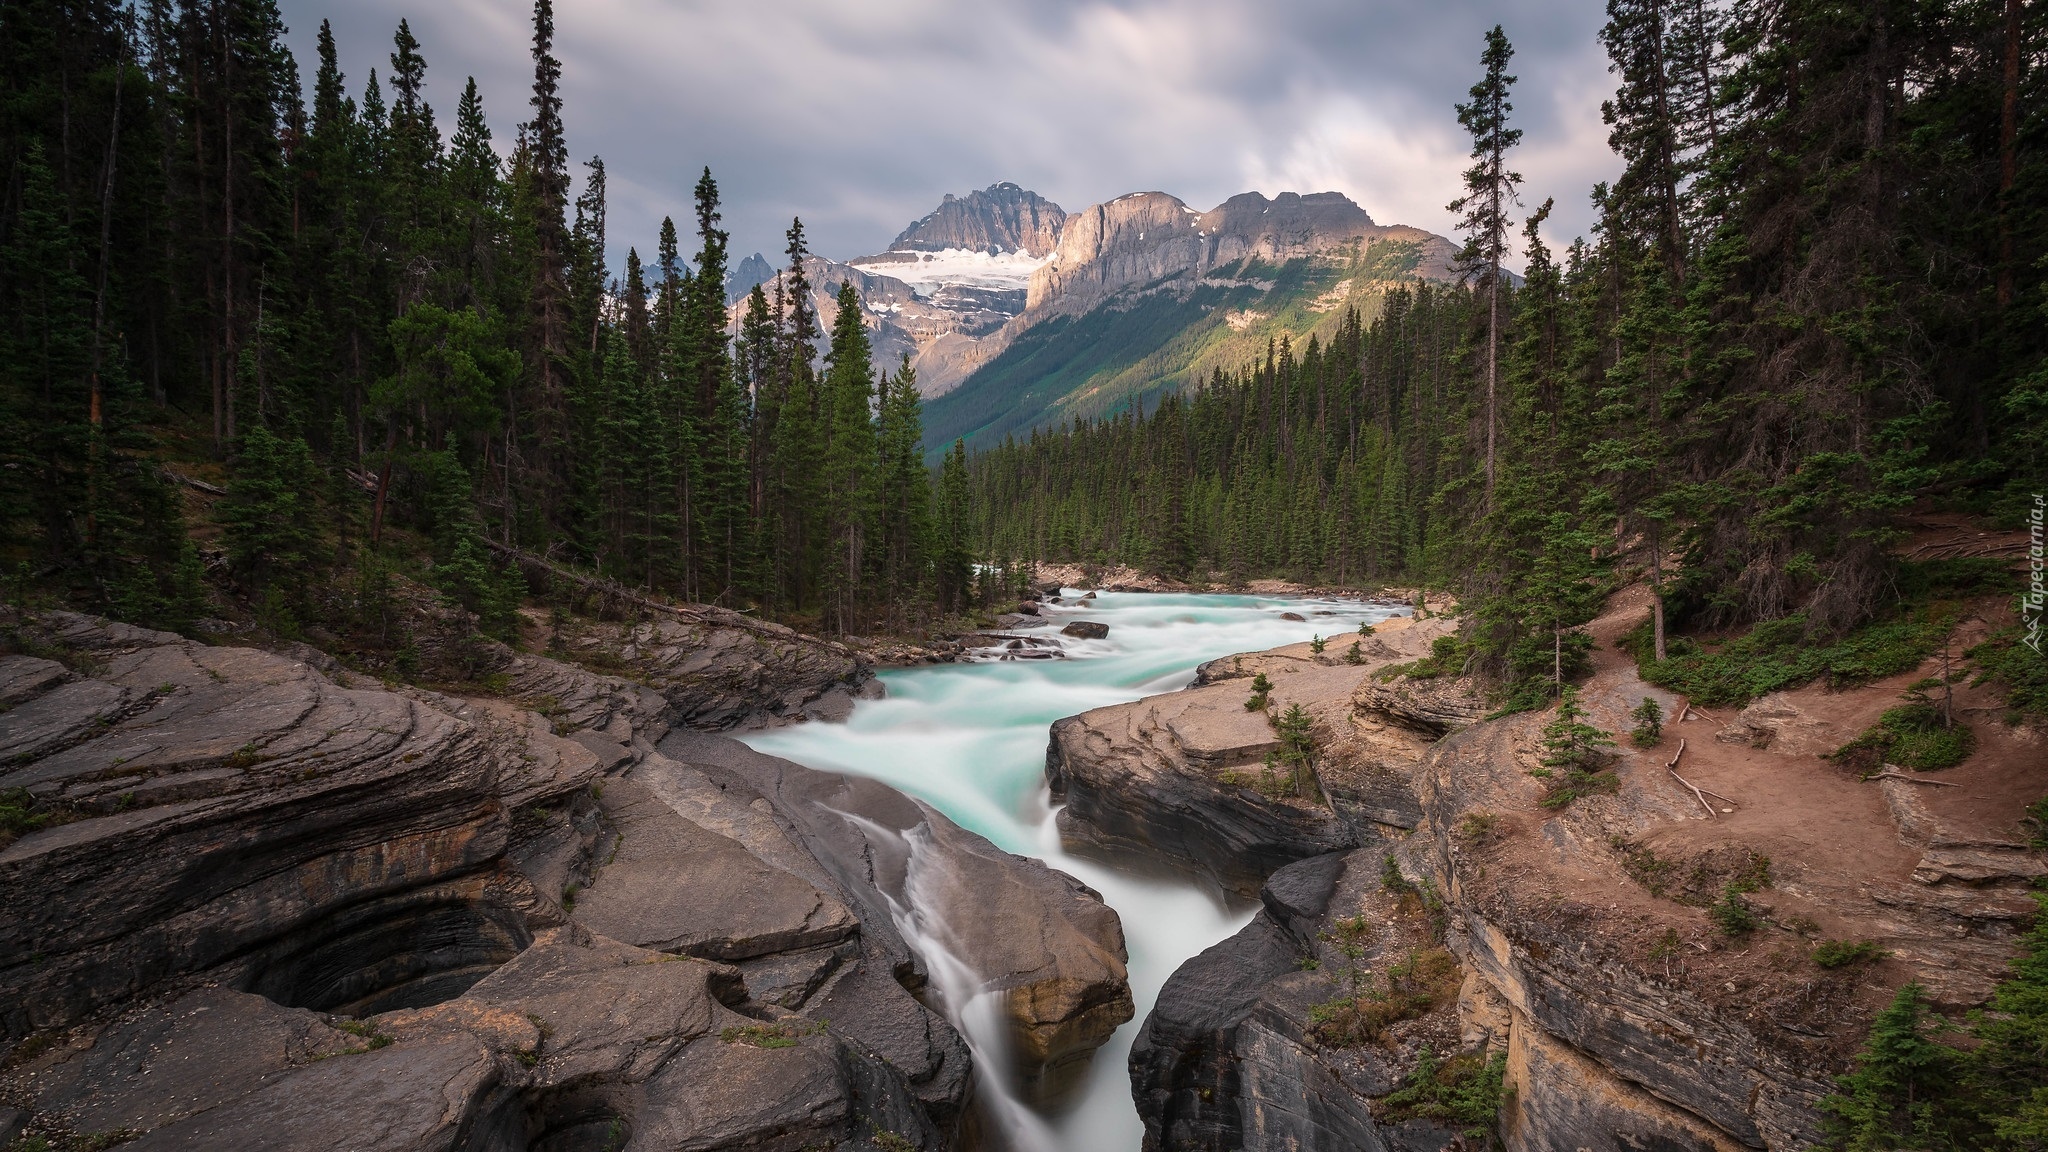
column 858, row 116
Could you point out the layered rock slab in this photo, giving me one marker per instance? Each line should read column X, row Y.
column 1183, row 775
column 337, row 846
column 1229, row 1059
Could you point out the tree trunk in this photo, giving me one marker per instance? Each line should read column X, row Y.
column 2008, row 130
column 1657, row 592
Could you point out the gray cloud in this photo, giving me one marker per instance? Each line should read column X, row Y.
column 858, row 117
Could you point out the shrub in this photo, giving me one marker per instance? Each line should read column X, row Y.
column 1408, row 989
column 1913, row 735
column 1649, row 718
column 1261, row 689
column 1731, row 914
column 1353, row 655
column 2022, row 672
column 1477, row 827
column 1464, row 1091
column 1316, row 644
column 1787, row 652
column 1447, row 655
column 1842, row 953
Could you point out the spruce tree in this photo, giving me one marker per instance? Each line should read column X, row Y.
column 1483, row 209
column 850, row 455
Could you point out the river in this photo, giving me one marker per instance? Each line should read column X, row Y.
column 969, row 739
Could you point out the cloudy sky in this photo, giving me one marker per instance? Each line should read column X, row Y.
column 858, row 116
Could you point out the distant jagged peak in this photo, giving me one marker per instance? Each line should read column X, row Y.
column 1142, row 237
column 1002, row 217
column 1328, row 213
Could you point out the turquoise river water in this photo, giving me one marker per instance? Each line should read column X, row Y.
column 969, row 739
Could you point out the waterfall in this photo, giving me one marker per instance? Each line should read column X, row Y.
column 969, row 740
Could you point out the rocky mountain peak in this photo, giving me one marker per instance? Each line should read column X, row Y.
column 1002, row 217
column 1146, row 236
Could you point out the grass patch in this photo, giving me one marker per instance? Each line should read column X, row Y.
column 2018, row 670
column 1418, row 984
column 1787, row 653
column 1271, row 785
column 1477, row 827
column 771, row 1035
column 366, row 1032
column 1911, row 736
column 1842, row 953
column 1464, row 1092
column 1697, row 882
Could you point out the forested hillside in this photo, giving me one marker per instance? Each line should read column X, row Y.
column 1814, row 297
column 1126, row 354
column 351, row 314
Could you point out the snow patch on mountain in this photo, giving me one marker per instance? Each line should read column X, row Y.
column 927, row 272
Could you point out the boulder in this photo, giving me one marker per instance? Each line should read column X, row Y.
column 580, row 1042
column 728, row 670
column 734, row 906
column 1294, row 616
column 1153, row 778
column 1086, row 630
column 1036, row 935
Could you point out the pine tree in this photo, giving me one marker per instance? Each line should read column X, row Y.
column 1489, row 193
column 1892, row 1099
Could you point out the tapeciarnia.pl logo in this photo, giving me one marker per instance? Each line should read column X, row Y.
column 2036, row 594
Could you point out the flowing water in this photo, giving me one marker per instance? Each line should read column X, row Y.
column 969, row 739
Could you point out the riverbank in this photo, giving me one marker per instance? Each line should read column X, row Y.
column 1688, row 968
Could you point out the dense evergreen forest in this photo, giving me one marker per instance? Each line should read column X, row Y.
column 1813, row 298
column 363, row 330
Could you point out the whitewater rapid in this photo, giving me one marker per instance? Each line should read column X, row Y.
column 970, row 740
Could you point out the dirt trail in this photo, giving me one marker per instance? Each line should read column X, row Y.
column 1638, row 866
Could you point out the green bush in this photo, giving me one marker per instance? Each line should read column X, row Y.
column 1731, row 914
column 1261, row 688
column 1464, row 1092
column 1447, row 655
column 1910, row 736
column 1842, row 953
column 1786, row 653
column 18, row 816
column 1649, row 718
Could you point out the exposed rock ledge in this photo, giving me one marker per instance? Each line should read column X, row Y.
column 548, row 933
column 1229, row 1059
column 1175, row 775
